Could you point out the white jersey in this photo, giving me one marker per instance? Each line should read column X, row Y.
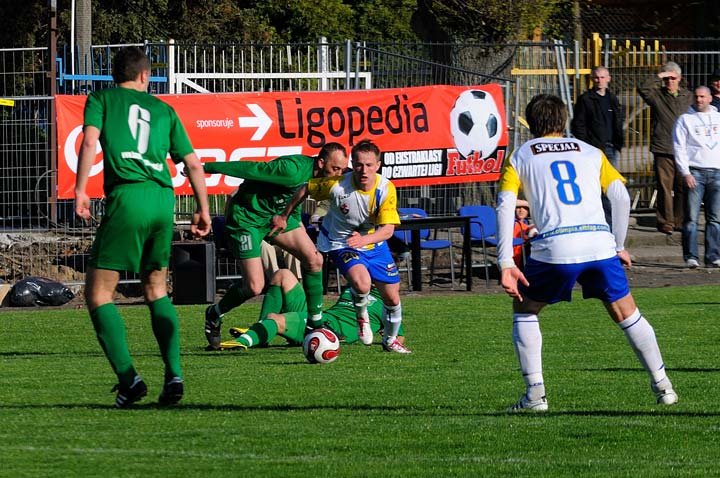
column 563, row 179
column 352, row 209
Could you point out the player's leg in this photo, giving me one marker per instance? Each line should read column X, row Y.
column 549, row 283
column 641, row 337
column 354, row 269
column 392, row 317
column 606, row 280
column 386, row 278
column 118, row 246
column 527, row 341
column 285, row 316
column 246, row 245
column 166, row 328
column 297, row 242
column 111, row 334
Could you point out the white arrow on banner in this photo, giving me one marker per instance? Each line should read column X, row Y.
column 261, row 121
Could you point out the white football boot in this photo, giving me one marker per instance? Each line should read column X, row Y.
column 526, row 405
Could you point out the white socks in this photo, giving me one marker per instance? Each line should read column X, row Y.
column 393, row 319
column 360, row 302
column 642, row 339
column 528, row 347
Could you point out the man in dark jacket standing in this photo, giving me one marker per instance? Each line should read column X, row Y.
column 667, row 101
column 598, row 118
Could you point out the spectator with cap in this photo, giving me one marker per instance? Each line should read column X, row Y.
column 667, row 101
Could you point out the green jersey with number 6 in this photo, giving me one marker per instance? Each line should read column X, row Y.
column 137, row 131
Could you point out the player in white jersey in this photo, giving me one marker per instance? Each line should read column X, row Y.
column 361, row 218
column 563, row 178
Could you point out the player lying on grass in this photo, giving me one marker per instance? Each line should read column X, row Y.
column 563, row 179
column 354, row 233
column 284, row 313
column 266, row 189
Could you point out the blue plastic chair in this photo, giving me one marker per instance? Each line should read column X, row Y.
column 426, row 244
column 483, row 232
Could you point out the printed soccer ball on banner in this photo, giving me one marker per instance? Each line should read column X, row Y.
column 321, row 346
column 475, row 123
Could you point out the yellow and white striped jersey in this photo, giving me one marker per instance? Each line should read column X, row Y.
column 352, row 209
column 562, row 179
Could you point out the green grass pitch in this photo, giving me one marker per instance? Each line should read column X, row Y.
column 438, row 412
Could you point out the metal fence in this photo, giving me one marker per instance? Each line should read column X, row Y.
column 58, row 243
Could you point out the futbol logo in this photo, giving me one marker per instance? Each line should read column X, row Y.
column 344, row 208
column 475, row 123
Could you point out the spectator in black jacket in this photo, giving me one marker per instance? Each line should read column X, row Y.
column 598, row 120
column 598, row 117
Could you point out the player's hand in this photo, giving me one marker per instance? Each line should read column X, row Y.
column 279, row 223
column 509, row 278
column 356, row 240
column 82, row 206
column 200, row 226
column 624, row 257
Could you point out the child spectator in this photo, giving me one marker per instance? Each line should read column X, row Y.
column 523, row 230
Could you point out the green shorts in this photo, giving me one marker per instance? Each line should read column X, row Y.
column 135, row 233
column 245, row 241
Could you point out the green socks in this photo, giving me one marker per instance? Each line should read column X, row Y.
column 234, row 297
column 259, row 333
column 167, row 333
column 110, row 331
column 272, row 302
column 313, row 286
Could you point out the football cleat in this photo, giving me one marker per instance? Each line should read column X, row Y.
column 664, row 393
column 212, row 328
column 126, row 396
column 237, row 331
column 364, row 331
column 232, row 344
column 526, row 405
column 395, row 346
column 315, row 321
column 172, row 392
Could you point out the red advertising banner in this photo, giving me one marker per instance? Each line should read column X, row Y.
column 428, row 135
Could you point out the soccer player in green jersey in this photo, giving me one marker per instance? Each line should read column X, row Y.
column 267, row 188
column 136, row 132
column 284, row 313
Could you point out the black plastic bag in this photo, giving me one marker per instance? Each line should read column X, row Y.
column 39, row 291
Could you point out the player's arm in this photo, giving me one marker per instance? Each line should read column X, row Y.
column 201, row 218
column 507, row 198
column 86, row 158
column 613, row 185
column 278, row 171
column 387, row 218
column 381, row 233
column 279, row 222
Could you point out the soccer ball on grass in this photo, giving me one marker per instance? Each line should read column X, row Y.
column 321, row 346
